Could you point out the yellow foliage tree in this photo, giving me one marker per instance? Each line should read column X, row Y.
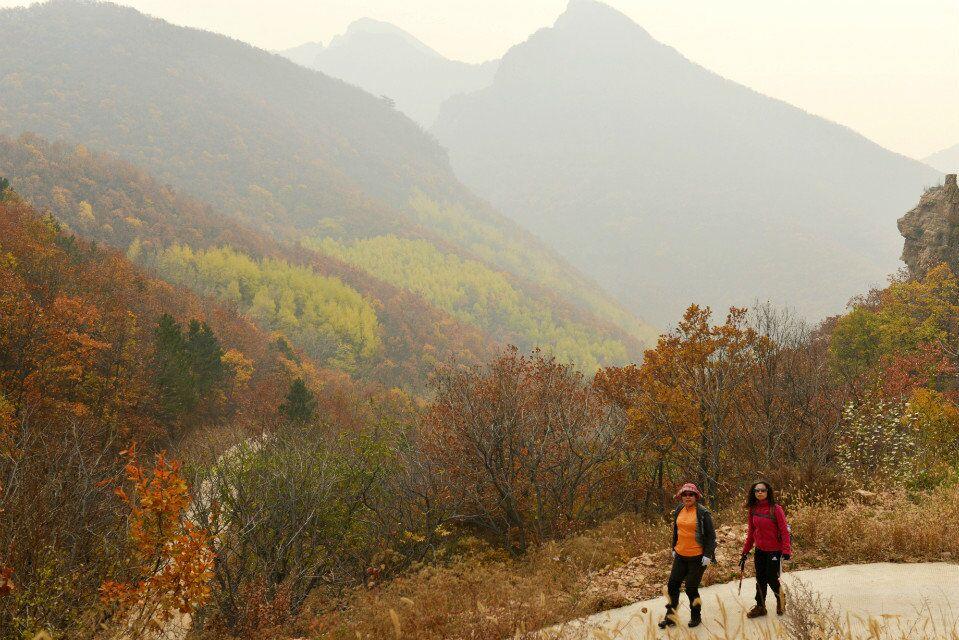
column 173, row 556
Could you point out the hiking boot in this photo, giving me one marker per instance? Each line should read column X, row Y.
column 696, row 616
column 780, row 605
column 757, row 611
column 669, row 620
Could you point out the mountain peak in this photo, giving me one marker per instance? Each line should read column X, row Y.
column 369, row 26
column 589, row 131
column 590, row 41
column 591, row 15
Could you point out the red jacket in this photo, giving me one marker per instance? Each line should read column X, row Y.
column 767, row 529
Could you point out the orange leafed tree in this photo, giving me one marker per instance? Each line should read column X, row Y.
column 174, row 559
column 684, row 397
column 527, row 450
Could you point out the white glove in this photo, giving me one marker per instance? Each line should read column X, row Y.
column 674, row 553
column 706, row 561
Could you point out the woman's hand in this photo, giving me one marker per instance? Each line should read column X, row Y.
column 787, row 556
column 706, row 561
column 742, row 562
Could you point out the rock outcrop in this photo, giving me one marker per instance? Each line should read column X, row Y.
column 931, row 230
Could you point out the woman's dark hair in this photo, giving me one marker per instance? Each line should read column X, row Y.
column 751, row 500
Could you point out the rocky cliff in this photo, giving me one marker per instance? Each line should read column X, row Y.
column 931, row 230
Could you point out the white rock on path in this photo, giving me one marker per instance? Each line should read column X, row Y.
column 898, row 594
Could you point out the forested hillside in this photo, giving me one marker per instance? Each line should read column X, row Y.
column 110, row 201
column 472, row 292
column 95, row 355
column 670, row 184
column 288, row 151
column 102, row 369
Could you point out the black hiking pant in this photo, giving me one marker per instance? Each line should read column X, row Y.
column 688, row 569
column 768, row 565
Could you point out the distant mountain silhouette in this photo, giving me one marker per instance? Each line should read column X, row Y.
column 298, row 155
column 387, row 61
column 303, row 54
column 672, row 185
column 946, row 160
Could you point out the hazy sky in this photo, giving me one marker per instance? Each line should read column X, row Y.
column 887, row 68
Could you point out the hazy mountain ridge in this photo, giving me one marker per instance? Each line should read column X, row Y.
column 303, row 54
column 287, row 150
column 946, row 160
column 387, row 61
column 670, row 184
column 369, row 26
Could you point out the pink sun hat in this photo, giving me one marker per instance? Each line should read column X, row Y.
column 690, row 488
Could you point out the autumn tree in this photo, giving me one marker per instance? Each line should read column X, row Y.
column 291, row 512
column 898, row 348
column 908, row 316
column 686, row 393
column 172, row 555
column 526, row 446
column 791, row 409
column 651, row 439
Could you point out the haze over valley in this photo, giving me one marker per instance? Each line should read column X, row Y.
column 661, row 180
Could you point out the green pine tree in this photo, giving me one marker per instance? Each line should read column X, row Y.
column 172, row 363
column 206, row 357
column 300, row 403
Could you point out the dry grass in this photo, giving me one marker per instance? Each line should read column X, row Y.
column 489, row 595
column 892, row 528
column 484, row 594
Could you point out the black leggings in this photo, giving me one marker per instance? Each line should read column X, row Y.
column 689, row 570
column 767, row 573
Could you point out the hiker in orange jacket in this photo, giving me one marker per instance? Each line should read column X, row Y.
column 769, row 531
column 694, row 549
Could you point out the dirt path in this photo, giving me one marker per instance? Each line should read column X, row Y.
column 897, row 594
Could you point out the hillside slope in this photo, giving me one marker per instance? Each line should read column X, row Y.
column 670, row 184
column 112, row 202
column 286, row 150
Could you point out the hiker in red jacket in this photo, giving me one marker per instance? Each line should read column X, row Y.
column 769, row 531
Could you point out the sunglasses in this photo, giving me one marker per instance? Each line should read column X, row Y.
column 760, row 491
column 687, row 495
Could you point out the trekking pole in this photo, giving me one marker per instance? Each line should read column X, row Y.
column 740, row 591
